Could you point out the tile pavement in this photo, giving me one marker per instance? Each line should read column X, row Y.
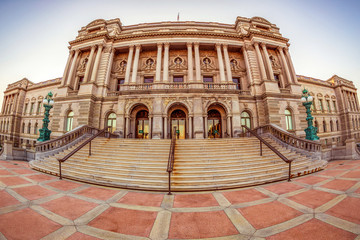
column 324, row 205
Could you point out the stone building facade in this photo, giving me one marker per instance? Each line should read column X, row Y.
column 204, row 78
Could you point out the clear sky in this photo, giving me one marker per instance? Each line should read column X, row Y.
column 34, row 35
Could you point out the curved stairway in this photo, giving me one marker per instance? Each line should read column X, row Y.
column 199, row 164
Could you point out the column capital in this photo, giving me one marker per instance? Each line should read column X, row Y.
column 217, row 45
column 196, row 44
column 159, row 45
column 263, row 45
column 225, row 45
column 138, row 46
column 166, row 44
column 189, row 44
column 93, row 46
column 100, row 45
column 280, row 48
column 72, row 51
column 131, row 47
column 77, row 51
column 256, row 44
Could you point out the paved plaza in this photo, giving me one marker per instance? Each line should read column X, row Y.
column 325, row 205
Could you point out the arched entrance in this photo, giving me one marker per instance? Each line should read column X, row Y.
column 142, row 125
column 178, row 121
column 214, row 124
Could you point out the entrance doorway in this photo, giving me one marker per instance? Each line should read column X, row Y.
column 142, row 125
column 214, row 124
column 178, row 120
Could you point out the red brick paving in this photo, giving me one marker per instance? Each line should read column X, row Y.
column 313, row 198
column 339, row 184
column 352, row 174
column 268, row 214
column 64, row 206
column 242, row 196
column 26, row 224
column 311, row 180
column 125, row 221
column 194, row 200
column 12, row 181
column 348, row 209
column 281, row 188
column 41, row 177
column 5, row 172
column 331, row 173
column 23, row 171
column 81, row 236
column 34, row 192
column 189, row 225
column 142, row 199
column 313, row 230
column 64, row 185
column 7, row 200
column 97, row 193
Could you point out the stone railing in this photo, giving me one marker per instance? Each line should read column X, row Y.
column 289, row 139
column 64, row 139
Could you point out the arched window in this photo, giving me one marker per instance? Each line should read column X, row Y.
column 288, row 119
column 23, row 128
column 353, row 123
column 245, row 119
column 337, row 125
column 331, row 126
column 111, row 122
column 317, row 126
column 36, row 128
column 29, row 128
column 69, row 121
column 324, row 126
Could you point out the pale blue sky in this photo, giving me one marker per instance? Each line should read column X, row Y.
column 34, row 35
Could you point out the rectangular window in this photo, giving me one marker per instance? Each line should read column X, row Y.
column 148, row 79
column 39, row 108
column 277, row 79
column 328, row 105
column 178, row 79
column 25, row 109
column 321, row 105
column 208, row 79
column 334, row 104
column 237, row 82
column 31, row 108
column 81, row 80
column 120, row 81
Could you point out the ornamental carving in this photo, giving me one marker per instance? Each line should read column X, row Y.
column 274, row 63
column 120, row 66
column 177, row 63
column 82, row 65
column 235, row 66
column 148, row 64
column 207, row 64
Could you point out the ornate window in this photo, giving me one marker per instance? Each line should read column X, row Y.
column 36, row 128
column 178, row 79
column 111, row 122
column 31, row 108
column 29, row 128
column 317, row 126
column 321, row 105
column 288, row 119
column 334, row 104
column 331, row 126
column 25, row 109
column 23, row 128
column 119, row 82
column 337, row 125
column 148, row 79
column 237, row 82
column 208, row 79
column 245, row 119
column 277, row 79
column 69, row 121
column 39, row 108
column 324, row 126
column 328, row 105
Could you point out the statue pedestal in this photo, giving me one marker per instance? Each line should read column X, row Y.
column 8, row 150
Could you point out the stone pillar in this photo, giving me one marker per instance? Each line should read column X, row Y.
column 88, row 65
column 166, row 63
column 165, row 127
column 128, row 130
column 288, row 76
column 157, row 118
column 227, row 64
column 197, row 63
column 63, row 80
column 158, row 63
column 260, row 60
column 190, row 63
column 190, row 127
column 206, row 127
column 8, row 150
column 72, row 68
column 135, row 65
column 221, row 63
column 198, row 118
column 291, row 66
column 4, row 104
column 247, row 64
column 228, row 126
column 268, row 63
column 96, row 64
column 128, row 64
column 108, row 70
column 150, row 127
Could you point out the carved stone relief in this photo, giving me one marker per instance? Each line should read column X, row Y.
column 177, row 63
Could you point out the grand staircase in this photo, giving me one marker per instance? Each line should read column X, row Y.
column 207, row 164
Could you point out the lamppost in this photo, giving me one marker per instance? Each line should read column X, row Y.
column 310, row 130
column 44, row 131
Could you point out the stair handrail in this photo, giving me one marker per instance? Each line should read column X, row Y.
column 63, row 139
column 263, row 141
column 290, row 139
column 170, row 166
column 67, row 156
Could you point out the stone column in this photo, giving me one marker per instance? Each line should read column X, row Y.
column 228, row 126
column 158, row 63
column 72, row 68
column 150, row 126
column 288, row 76
column 190, row 127
column 268, row 63
column 157, row 118
column 108, row 70
column 247, row 64
column 88, row 65
column 136, row 64
column 4, row 105
column 221, row 63
column 190, row 63
column 128, row 64
column 291, row 66
column 198, row 118
column 96, row 64
column 206, row 127
column 166, row 63
column 197, row 62
column 63, row 80
column 127, row 120
column 227, row 64
column 261, row 62
column 165, row 127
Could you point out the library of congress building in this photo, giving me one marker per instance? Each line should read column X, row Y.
column 206, row 79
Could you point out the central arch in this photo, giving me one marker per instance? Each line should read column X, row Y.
column 214, row 124
column 217, row 122
column 178, row 115
column 141, row 122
